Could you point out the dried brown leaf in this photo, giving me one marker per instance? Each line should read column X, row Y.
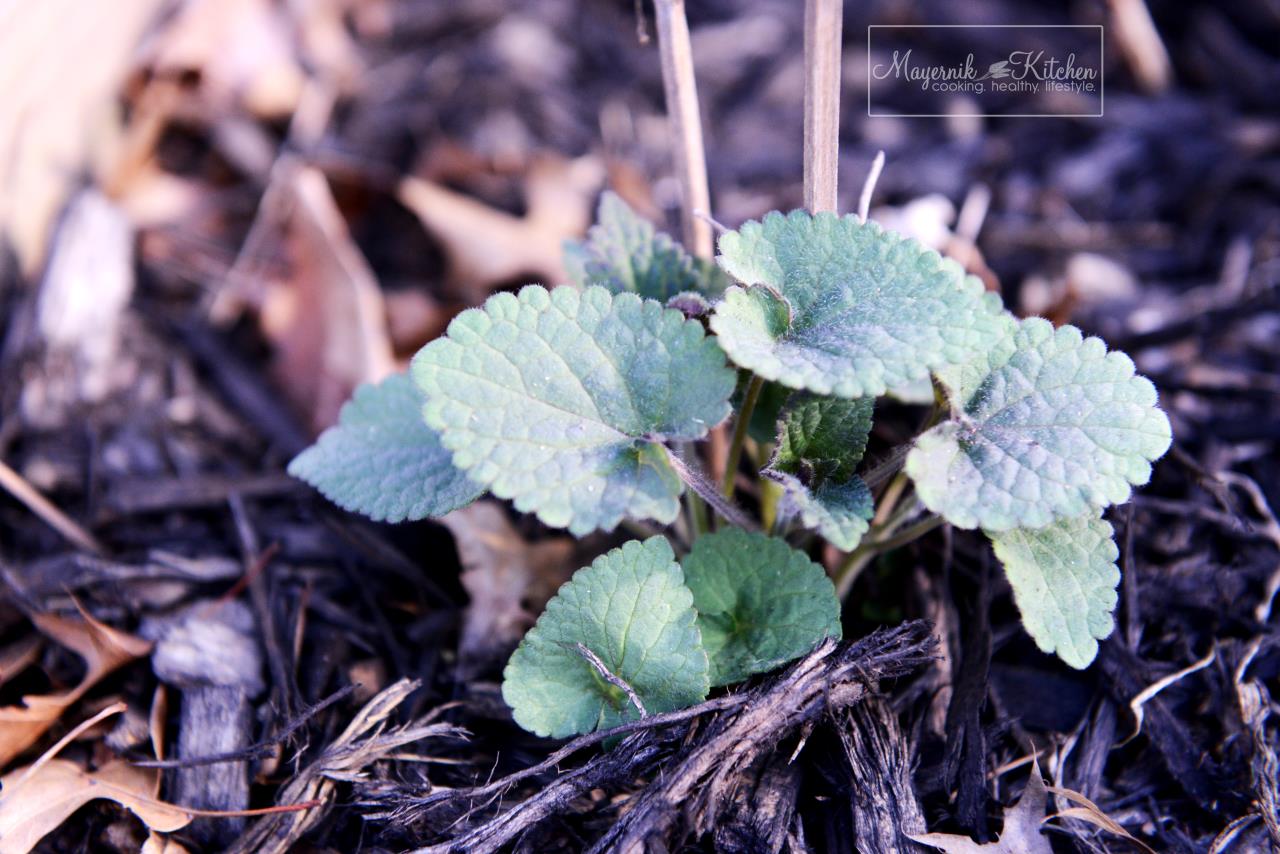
column 34, row 805
column 103, row 649
column 487, row 247
column 1020, row 835
column 1090, row 812
column 505, row 576
column 18, row 656
column 327, row 320
column 242, row 50
column 52, row 109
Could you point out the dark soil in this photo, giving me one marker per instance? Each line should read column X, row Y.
column 178, row 470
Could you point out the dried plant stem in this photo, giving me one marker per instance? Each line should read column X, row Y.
column 869, row 186
column 740, row 435
column 685, row 117
column 686, row 123
column 613, row 679
column 823, row 21
column 17, row 486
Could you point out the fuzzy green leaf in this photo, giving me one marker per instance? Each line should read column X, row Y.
column 561, row 400
column 1064, row 579
column 760, row 602
column 822, row 436
column 383, row 461
column 624, row 253
column 1060, row 427
column 632, row 610
column 840, row 511
column 963, row 379
column 820, row 443
column 842, row 307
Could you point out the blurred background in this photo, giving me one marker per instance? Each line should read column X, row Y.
column 217, row 217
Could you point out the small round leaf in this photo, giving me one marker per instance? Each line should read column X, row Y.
column 632, row 611
column 760, row 602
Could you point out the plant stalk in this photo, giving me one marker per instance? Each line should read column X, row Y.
column 876, row 543
column 697, row 481
column 740, row 426
column 823, row 22
column 685, row 117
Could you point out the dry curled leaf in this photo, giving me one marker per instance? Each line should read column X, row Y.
column 1090, row 812
column 103, row 649
column 33, row 805
column 1020, row 835
column 242, row 51
column 502, row 573
column 327, row 320
column 487, row 247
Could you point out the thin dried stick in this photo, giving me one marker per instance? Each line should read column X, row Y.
column 17, row 486
column 686, row 122
column 869, row 186
column 823, row 21
column 613, row 679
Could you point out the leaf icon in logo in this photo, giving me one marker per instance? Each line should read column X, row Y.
column 998, row 69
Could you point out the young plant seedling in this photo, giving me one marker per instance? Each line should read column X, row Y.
column 574, row 403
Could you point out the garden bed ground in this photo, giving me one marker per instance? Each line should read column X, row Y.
column 291, row 201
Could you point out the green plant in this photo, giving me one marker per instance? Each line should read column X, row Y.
column 581, row 404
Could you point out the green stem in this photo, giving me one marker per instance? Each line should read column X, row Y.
column 695, row 507
column 876, row 543
column 697, row 515
column 914, row 532
column 889, row 500
column 740, row 435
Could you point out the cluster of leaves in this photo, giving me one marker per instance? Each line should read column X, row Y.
column 571, row 403
column 638, row 633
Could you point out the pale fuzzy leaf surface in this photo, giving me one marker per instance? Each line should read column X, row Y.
column 1060, row 427
column 623, row 252
column 840, row 511
column 1064, row 579
column 559, row 400
column 843, row 307
column 963, row 379
column 383, row 461
column 917, row 392
column 760, row 602
column 632, row 609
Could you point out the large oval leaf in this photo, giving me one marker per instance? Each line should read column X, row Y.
column 560, row 401
column 1064, row 579
column 632, row 612
column 382, row 460
column 1060, row 427
column 843, row 307
column 760, row 602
